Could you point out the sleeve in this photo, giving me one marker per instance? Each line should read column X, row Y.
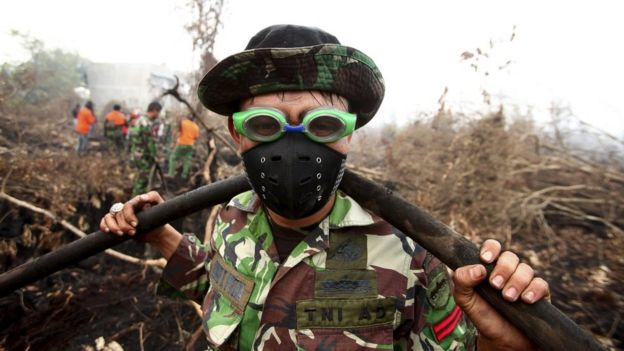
column 185, row 275
column 438, row 323
column 196, row 132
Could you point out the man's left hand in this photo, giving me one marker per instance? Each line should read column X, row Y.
column 515, row 280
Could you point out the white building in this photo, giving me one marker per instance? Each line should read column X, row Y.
column 133, row 85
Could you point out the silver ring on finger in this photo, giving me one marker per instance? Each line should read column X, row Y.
column 116, row 208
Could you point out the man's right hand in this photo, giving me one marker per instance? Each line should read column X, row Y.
column 164, row 238
column 126, row 221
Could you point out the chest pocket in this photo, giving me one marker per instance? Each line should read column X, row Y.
column 347, row 312
column 346, row 323
column 225, row 301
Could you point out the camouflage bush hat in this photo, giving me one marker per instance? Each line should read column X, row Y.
column 290, row 57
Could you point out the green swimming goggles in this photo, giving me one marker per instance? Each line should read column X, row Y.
column 265, row 124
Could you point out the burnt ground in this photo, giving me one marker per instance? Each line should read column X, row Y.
column 584, row 268
column 586, row 276
column 99, row 297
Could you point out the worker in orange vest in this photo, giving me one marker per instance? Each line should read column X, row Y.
column 113, row 125
column 187, row 134
column 84, row 121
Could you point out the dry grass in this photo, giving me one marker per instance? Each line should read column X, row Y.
column 499, row 178
column 558, row 205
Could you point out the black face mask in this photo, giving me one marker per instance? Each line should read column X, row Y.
column 294, row 176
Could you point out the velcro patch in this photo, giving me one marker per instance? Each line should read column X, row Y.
column 346, row 251
column 230, row 283
column 345, row 313
column 345, row 283
column 438, row 289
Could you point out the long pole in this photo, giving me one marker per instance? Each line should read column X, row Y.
column 543, row 323
column 153, row 217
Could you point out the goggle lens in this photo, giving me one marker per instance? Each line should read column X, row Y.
column 326, row 127
column 263, row 126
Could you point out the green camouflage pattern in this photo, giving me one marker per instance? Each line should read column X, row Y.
column 114, row 137
column 143, row 152
column 330, row 68
column 185, row 153
column 353, row 283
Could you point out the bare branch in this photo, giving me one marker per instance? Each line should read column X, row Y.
column 176, row 94
column 211, row 156
column 210, row 223
column 160, row 263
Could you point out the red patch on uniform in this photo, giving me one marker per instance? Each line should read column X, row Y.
column 445, row 327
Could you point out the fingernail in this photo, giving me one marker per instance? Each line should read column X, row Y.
column 143, row 197
column 529, row 296
column 132, row 232
column 133, row 223
column 476, row 272
column 106, row 230
column 486, row 256
column 498, row 281
column 511, row 293
column 119, row 232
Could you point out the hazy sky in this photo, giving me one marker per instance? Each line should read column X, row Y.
column 567, row 51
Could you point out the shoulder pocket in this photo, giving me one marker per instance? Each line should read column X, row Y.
column 225, row 301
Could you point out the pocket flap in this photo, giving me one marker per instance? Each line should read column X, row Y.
column 225, row 301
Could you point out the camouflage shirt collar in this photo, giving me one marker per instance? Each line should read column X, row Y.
column 345, row 213
column 246, row 202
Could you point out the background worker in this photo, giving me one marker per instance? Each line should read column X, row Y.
column 113, row 127
column 85, row 119
column 143, row 152
column 188, row 132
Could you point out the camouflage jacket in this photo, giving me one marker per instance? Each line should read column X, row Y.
column 353, row 283
column 142, row 138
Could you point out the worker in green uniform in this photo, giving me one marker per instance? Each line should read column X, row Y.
column 143, row 152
